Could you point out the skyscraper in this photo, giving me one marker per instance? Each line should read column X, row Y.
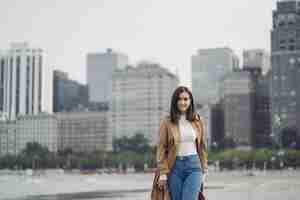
column 208, row 69
column 21, row 80
column 257, row 62
column 285, row 60
column 100, row 67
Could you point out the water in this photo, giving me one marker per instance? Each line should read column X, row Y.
column 235, row 185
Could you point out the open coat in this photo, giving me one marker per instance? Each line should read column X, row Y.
column 169, row 140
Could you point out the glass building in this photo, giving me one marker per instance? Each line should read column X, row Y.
column 285, row 61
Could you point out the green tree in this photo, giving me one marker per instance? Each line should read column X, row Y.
column 137, row 143
column 36, row 154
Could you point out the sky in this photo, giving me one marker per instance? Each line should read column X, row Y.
column 168, row 32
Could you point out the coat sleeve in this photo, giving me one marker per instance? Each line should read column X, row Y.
column 203, row 147
column 162, row 149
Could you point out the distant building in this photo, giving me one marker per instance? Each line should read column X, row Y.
column 206, row 114
column 80, row 131
column 142, row 96
column 209, row 66
column 238, row 108
column 85, row 131
column 100, row 67
column 41, row 128
column 21, row 81
column 68, row 95
column 217, row 125
column 257, row 62
column 257, row 58
column 285, row 78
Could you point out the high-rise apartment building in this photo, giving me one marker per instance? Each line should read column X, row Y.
column 21, row 80
column 209, row 66
column 141, row 97
column 285, row 60
column 100, row 67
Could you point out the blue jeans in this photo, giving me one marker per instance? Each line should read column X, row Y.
column 184, row 180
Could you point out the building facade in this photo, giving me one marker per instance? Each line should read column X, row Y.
column 238, row 109
column 205, row 112
column 209, row 66
column 285, row 60
column 68, row 95
column 142, row 96
column 100, row 67
column 257, row 63
column 217, row 125
column 41, row 128
column 21, row 80
column 85, row 131
column 8, row 138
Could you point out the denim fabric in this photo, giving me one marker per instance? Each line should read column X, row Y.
column 184, row 180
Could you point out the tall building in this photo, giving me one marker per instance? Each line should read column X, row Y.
column 68, row 95
column 142, row 96
column 238, row 108
column 21, row 80
column 209, row 66
column 100, row 67
column 257, row 63
column 285, row 60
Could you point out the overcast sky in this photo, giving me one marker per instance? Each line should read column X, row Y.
column 164, row 31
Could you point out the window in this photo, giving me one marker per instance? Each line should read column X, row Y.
column 293, row 93
column 291, row 47
column 282, row 47
column 292, row 60
column 281, row 41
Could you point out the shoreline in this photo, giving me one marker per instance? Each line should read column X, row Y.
column 66, row 185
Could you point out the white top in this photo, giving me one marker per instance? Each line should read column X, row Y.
column 187, row 144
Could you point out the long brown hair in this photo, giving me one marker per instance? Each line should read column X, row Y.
column 174, row 112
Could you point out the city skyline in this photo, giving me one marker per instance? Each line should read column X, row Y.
column 167, row 32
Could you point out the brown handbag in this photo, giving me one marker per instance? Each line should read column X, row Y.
column 201, row 194
column 158, row 193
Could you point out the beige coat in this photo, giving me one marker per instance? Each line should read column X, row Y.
column 169, row 140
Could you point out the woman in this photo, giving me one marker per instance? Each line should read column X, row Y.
column 181, row 151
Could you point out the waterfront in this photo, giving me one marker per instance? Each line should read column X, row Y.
column 233, row 185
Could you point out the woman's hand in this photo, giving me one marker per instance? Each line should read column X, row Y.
column 162, row 184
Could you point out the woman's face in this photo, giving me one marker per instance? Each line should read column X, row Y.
column 183, row 102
